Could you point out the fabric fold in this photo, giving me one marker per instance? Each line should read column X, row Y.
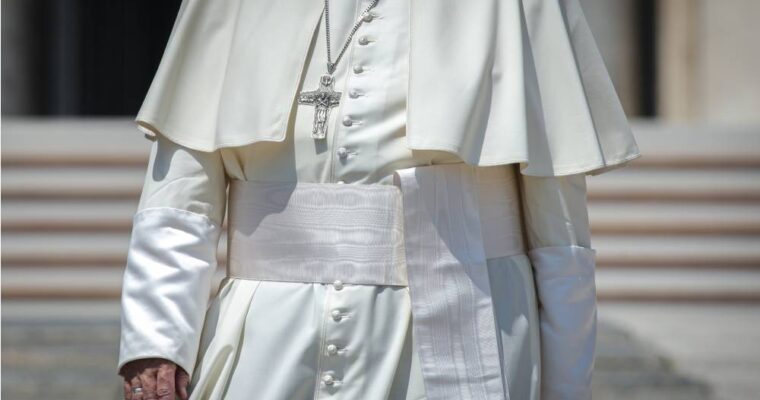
column 166, row 285
column 221, row 338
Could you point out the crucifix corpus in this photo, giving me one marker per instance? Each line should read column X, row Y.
column 323, row 99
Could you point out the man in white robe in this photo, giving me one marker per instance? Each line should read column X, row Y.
column 268, row 339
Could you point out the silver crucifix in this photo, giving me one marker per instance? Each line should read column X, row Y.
column 323, row 99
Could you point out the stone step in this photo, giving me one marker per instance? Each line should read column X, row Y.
column 719, row 284
column 69, row 216
column 70, row 283
column 72, row 183
column 606, row 217
column 38, row 141
column 676, row 185
column 71, row 249
column 702, row 251
column 640, row 284
column 695, row 145
column 661, row 218
column 85, row 183
column 111, row 141
column 110, row 248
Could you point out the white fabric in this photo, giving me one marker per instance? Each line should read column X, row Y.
column 527, row 86
column 556, row 211
column 170, row 264
column 276, row 331
column 316, row 232
column 567, row 295
column 449, row 283
column 321, row 232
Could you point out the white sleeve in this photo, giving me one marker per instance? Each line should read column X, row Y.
column 171, row 258
column 559, row 239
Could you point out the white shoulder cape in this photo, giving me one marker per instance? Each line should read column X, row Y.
column 493, row 81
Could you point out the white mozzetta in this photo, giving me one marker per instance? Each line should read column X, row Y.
column 527, row 86
column 170, row 264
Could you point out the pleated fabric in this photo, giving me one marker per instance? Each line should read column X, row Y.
column 527, row 86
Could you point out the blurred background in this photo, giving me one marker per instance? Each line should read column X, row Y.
column 677, row 232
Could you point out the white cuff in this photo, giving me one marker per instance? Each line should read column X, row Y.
column 166, row 285
column 568, row 318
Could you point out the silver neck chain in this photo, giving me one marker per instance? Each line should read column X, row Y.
column 331, row 65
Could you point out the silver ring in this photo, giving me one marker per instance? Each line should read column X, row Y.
column 137, row 390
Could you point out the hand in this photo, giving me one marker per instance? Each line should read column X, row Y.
column 159, row 378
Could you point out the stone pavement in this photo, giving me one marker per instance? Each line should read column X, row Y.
column 68, row 350
column 717, row 342
column 629, row 368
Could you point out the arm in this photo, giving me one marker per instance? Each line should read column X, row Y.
column 559, row 240
column 172, row 255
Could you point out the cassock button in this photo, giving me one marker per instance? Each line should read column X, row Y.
column 347, row 121
column 367, row 17
column 332, row 349
column 363, row 41
column 336, row 315
column 338, row 284
column 353, row 93
column 358, row 69
column 342, row 152
column 328, row 379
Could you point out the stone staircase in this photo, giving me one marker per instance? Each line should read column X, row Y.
column 681, row 223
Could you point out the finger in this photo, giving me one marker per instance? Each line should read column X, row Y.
column 183, row 379
column 127, row 390
column 148, row 380
column 165, row 381
column 135, row 383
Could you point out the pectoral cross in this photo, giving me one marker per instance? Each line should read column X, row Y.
column 323, row 99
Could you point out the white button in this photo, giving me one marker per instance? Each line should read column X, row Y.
column 328, row 379
column 358, row 69
column 342, row 152
column 353, row 93
column 336, row 315
column 347, row 121
column 338, row 284
column 332, row 349
column 340, row 182
column 363, row 41
column 367, row 17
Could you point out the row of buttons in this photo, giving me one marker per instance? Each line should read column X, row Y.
column 353, row 93
column 332, row 349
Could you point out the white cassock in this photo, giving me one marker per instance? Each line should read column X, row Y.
column 334, row 338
